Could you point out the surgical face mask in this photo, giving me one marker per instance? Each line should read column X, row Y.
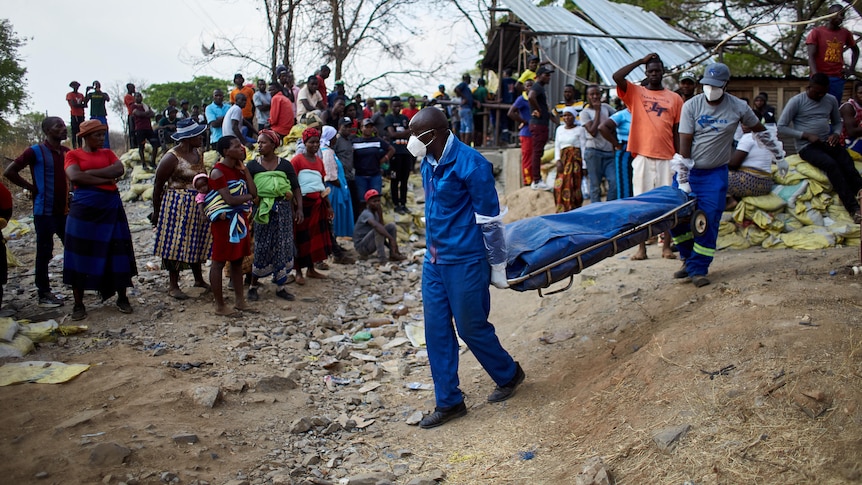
column 712, row 93
column 416, row 147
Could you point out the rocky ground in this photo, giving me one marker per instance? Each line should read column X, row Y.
column 632, row 378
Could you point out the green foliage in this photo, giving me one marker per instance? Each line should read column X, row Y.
column 745, row 64
column 25, row 131
column 12, row 93
column 198, row 91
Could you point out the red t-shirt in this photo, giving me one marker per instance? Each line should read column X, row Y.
column 321, row 88
column 129, row 100
column 409, row 112
column 5, row 201
column 829, row 58
column 101, row 158
column 73, row 96
column 141, row 122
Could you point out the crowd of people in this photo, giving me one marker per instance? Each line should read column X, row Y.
column 288, row 214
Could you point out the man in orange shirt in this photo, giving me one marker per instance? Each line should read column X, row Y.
column 76, row 107
column 654, row 132
column 248, row 91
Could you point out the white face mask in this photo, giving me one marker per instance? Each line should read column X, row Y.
column 416, row 147
column 712, row 93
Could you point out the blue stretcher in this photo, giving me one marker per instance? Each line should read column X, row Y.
column 546, row 249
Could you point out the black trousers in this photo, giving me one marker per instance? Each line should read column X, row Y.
column 839, row 168
column 401, row 165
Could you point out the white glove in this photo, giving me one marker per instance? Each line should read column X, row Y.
column 498, row 275
column 685, row 187
column 783, row 167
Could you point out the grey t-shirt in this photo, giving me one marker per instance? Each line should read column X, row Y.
column 713, row 127
column 260, row 99
column 362, row 226
column 598, row 142
column 821, row 118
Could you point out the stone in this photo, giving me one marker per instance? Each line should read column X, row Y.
column 422, row 481
column 593, row 472
column 185, row 438
column 414, row 418
column 310, row 460
column 233, row 384
column 235, row 332
column 666, row 438
column 169, row 477
column 109, row 454
column 237, row 482
column 206, row 396
column 376, row 478
column 333, row 427
column 80, row 418
column 275, row 384
column 300, row 425
column 41, row 475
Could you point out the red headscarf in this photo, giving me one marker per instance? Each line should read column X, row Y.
column 310, row 133
column 273, row 136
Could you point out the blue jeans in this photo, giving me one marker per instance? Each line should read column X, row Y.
column 710, row 187
column 836, row 87
column 365, row 183
column 601, row 164
column 466, row 120
column 460, row 291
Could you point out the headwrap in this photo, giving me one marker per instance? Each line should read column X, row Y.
column 199, row 176
column 273, row 136
column 310, row 133
column 327, row 135
column 572, row 110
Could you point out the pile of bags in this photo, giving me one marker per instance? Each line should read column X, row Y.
column 801, row 212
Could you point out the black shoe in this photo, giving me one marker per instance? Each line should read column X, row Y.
column 681, row 273
column 501, row 393
column 700, row 280
column 49, row 300
column 79, row 312
column 123, row 305
column 283, row 294
column 442, row 416
column 252, row 294
column 343, row 259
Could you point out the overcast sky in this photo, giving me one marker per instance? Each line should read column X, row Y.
column 122, row 41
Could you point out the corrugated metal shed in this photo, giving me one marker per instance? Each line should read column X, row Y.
column 624, row 33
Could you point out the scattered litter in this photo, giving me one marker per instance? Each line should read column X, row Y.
column 526, row 455
column 418, row 386
column 362, row 336
column 720, row 372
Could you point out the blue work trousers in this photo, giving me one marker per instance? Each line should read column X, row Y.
column 710, row 187
column 460, row 291
column 601, row 164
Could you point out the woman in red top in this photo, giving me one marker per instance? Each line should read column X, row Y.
column 232, row 167
column 98, row 245
column 313, row 239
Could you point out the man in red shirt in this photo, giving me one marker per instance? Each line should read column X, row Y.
column 143, row 121
column 129, row 100
column 826, row 45
column 76, row 106
column 322, row 76
column 281, row 111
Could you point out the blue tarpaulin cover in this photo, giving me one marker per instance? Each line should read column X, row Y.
column 543, row 240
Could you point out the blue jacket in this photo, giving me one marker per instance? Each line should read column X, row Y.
column 458, row 188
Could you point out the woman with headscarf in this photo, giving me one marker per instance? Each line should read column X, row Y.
column 336, row 180
column 313, row 237
column 278, row 191
column 569, row 144
column 232, row 182
column 99, row 253
column 183, row 239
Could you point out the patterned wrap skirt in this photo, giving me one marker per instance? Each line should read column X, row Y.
column 748, row 183
column 313, row 237
column 567, row 185
column 274, row 249
column 98, row 251
column 182, row 232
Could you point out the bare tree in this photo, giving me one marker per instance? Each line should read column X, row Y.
column 281, row 16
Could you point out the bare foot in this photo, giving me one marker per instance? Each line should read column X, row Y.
column 640, row 255
column 225, row 311
column 244, row 306
column 667, row 253
column 178, row 294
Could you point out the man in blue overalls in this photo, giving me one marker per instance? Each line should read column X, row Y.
column 466, row 251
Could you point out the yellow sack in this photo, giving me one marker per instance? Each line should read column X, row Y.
column 769, row 202
column 773, row 241
column 210, row 159
column 809, row 237
column 39, row 372
column 15, row 229
column 147, row 194
column 49, row 330
column 18, row 347
column 813, row 173
column 732, row 241
column 754, row 235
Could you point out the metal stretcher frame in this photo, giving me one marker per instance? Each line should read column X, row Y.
column 672, row 215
